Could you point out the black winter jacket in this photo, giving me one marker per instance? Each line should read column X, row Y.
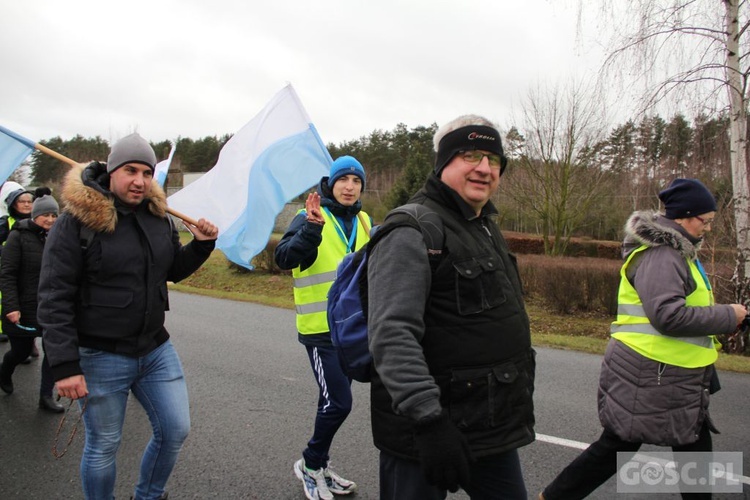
column 19, row 272
column 113, row 295
column 453, row 340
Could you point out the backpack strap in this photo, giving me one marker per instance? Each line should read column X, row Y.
column 422, row 218
column 428, row 222
column 415, row 215
column 85, row 237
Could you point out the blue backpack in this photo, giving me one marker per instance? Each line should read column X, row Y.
column 347, row 298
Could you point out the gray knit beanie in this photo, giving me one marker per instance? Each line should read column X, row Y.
column 44, row 205
column 131, row 149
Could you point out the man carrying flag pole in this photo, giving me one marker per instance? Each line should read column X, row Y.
column 102, row 302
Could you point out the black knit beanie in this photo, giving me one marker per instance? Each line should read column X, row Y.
column 466, row 139
column 687, row 198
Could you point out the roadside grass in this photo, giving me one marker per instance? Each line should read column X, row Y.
column 578, row 332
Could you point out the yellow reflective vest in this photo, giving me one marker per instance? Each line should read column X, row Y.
column 11, row 222
column 311, row 285
column 634, row 329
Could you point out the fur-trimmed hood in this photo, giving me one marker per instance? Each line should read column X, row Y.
column 87, row 197
column 653, row 229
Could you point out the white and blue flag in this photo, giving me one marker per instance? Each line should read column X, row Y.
column 269, row 161
column 13, row 151
column 162, row 168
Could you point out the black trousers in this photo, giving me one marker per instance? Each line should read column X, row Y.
column 497, row 477
column 20, row 349
column 598, row 463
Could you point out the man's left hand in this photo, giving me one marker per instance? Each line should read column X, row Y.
column 204, row 231
column 444, row 453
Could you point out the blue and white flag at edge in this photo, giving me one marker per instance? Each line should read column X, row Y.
column 272, row 159
column 13, row 151
column 162, row 168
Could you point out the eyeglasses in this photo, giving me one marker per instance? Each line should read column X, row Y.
column 474, row 158
column 706, row 222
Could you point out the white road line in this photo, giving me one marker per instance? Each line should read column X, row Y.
column 578, row 445
column 568, row 443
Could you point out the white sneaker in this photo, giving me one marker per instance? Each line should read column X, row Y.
column 313, row 481
column 337, row 484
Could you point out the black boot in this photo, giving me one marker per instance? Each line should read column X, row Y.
column 48, row 403
column 164, row 496
column 6, row 384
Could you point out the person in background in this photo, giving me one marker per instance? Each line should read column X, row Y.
column 18, row 202
column 331, row 226
column 102, row 301
column 658, row 369
column 19, row 281
column 451, row 397
column 5, row 190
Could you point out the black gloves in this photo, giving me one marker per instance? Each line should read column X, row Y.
column 443, row 453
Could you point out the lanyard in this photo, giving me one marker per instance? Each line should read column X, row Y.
column 350, row 241
column 703, row 273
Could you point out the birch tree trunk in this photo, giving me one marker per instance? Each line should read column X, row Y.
column 738, row 151
column 738, row 161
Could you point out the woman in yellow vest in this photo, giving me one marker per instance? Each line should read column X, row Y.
column 331, row 226
column 658, row 369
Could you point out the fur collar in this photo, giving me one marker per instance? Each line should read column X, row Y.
column 652, row 229
column 93, row 204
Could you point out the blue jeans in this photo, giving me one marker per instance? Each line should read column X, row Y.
column 158, row 383
column 497, row 477
column 334, row 403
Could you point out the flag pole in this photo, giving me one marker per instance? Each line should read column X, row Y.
column 65, row 159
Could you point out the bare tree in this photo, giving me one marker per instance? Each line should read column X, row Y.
column 22, row 174
column 696, row 53
column 554, row 176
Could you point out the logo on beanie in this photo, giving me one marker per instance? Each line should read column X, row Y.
column 474, row 135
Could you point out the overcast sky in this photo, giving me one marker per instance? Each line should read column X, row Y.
column 193, row 68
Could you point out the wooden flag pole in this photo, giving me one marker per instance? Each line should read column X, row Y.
column 65, row 159
column 55, row 154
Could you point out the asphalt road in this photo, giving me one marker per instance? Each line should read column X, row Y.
column 252, row 401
